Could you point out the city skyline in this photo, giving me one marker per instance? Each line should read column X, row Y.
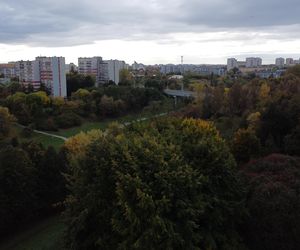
column 152, row 32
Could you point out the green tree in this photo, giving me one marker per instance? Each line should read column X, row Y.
column 17, row 188
column 170, row 184
column 245, row 145
column 6, row 120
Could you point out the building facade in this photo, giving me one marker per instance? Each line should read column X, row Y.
column 289, row 61
column 52, row 74
column 28, row 72
column 231, row 63
column 279, row 62
column 253, row 62
column 114, row 67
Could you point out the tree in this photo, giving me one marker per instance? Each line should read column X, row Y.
column 292, row 142
column 77, row 81
column 170, row 184
column 273, row 202
column 126, row 78
column 17, row 188
column 245, row 145
column 6, row 120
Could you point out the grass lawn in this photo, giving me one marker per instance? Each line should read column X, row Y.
column 40, row 138
column 89, row 125
column 44, row 235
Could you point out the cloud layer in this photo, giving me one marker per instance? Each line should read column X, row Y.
column 53, row 23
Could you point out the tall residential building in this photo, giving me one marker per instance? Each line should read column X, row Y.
column 89, row 65
column 8, row 70
column 232, row 63
column 279, row 62
column 289, row 61
column 253, row 62
column 28, row 72
column 114, row 68
column 103, row 71
column 49, row 71
column 52, row 74
column 94, row 66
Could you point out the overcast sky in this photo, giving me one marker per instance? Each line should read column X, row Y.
column 150, row 31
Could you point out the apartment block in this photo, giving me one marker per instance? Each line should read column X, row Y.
column 289, row 61
column 28, row 72
column 279, row 62
column 52, row 74
column 231, row 63
column 7, row 70
column 253, row 62
column 104, row 71
column 114, row 67
column 94, row 66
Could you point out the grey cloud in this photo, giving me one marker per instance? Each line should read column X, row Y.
column 66, row 23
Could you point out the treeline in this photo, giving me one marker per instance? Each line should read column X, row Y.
column 43, row 112
column 266, row 112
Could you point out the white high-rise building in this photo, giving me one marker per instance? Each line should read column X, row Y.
column 253, row 62
column 232, row 63
column 114, row 68
column 52, row 74
column 279, row 62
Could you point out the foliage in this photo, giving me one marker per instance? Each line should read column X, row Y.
column 67, row 120
column 77, row 81
column 245, row 145
column 6, row 119
column 167, row 185
column 30, row 184
column 292, row 142
column 273, row 202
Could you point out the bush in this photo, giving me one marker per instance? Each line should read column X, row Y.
column 68, row 120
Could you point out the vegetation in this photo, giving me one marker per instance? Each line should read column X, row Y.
column 170, row 182
column 155, row 188
column 52, row 113
column 273, row 202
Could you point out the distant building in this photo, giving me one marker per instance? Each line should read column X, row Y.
column 28, row 72
column 49, row 71
column 8, row 70
column 232, row 63
column 71, row 67
column 94, row 66
column 52, row 74
column 104, row 71
column 296, row 61
column 279, row 62
column 289, row 61
column 253, row 62
column 114, row 68
column 89, row 65
column 138, row 66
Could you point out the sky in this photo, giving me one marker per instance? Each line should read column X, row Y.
column 151, row 31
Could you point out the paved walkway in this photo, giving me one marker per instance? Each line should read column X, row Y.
column 45, row 133
column 65, row 138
